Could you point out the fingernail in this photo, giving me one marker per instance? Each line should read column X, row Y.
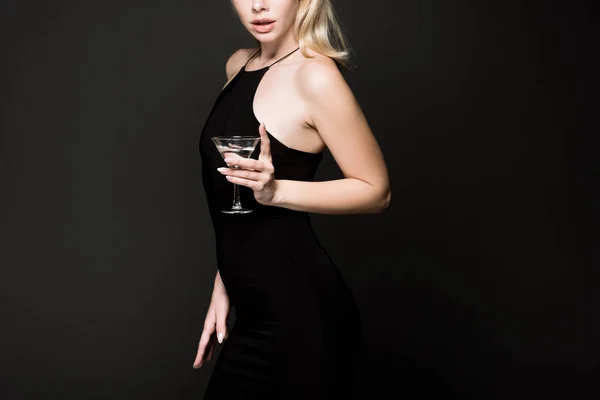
column 228, row 160
column 221, row 169
column 220, row 337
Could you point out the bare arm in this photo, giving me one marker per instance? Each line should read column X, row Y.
column 338, row 118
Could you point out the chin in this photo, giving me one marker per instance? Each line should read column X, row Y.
column 266, row 38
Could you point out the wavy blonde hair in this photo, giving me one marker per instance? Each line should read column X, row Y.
column 317, row 27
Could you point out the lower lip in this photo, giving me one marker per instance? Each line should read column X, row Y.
column 263, row 28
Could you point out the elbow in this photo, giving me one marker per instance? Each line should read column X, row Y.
column 384, row 201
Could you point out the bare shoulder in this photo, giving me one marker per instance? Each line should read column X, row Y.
column 319, row 74
column 237, row 60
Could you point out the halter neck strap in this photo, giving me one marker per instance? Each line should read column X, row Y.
column 273, row 63
column 286, row 56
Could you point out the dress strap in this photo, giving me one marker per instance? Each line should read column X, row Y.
column 286, row 56
column 251, row 57
column 269, row 66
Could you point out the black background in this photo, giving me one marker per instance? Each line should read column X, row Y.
column 470, row 285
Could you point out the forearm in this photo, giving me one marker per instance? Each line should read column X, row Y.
column 341, row 196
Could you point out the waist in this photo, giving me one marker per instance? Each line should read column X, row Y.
column 243, row 235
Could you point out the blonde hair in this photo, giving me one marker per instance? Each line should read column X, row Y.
column 316, row 27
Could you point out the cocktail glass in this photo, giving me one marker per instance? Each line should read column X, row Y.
column 242, row 146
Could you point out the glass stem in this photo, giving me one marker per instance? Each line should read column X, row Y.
column 236, row 198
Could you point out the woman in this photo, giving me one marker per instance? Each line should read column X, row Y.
column 297, row 332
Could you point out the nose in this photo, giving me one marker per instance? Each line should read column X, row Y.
column 259, row 5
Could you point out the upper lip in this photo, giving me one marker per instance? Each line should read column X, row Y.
column 259, row 20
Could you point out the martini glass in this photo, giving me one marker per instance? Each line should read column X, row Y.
column 242, row 146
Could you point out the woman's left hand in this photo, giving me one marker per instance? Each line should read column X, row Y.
column 258, row 175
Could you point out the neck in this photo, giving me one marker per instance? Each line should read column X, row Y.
column 273, row 51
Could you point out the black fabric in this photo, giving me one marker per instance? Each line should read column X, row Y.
column 297, row 331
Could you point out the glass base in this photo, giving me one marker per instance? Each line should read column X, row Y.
column 237, row 211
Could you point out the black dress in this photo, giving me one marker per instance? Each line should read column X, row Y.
column 297, row 330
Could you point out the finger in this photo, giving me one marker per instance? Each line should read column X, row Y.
column 203, row 343
column 265, row 143
column 211, row 348
column 232, row 159
column 200, row 353
column 254, row 185
column 243, row 173
column 250, row 164
column 221, row 325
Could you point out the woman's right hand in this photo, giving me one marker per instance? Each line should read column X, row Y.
column 215, row 322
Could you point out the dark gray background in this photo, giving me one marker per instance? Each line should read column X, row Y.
column 469, row 285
